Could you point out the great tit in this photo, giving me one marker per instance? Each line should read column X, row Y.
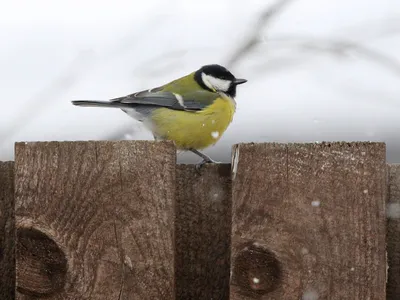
column 193, row 111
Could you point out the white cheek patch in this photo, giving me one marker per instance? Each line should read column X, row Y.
column 205, row 77
column 216, row 83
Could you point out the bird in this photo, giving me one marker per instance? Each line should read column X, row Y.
column 193, row 111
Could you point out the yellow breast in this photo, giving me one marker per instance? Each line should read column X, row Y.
column 196, row 130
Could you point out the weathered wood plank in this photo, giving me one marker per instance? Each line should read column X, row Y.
column 203, row 229
column 7, row 231
column 309, row 221
column 393, row 233
column 95, row 220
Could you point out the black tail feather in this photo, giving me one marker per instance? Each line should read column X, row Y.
column 90, row 103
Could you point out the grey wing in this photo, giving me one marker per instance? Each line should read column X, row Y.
column 157, row 98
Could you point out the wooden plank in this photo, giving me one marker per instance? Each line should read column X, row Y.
column 95, row 220
column 7, row 231
column 309, row 221
column 393, row 233
column 203, row 228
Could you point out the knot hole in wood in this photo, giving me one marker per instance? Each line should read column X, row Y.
column 41, row 265
column 256, row 270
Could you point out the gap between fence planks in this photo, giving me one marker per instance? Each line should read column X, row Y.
column 309, row 221
column 7, row 231
column 393, row 234
column 203, row 229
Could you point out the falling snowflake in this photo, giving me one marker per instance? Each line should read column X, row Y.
column 215, row 134
column 310, row 295
column 315, row 203
column 393, row 210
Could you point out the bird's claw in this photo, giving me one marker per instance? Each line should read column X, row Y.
column 203, row 162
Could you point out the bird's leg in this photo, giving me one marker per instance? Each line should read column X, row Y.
column 206, row 159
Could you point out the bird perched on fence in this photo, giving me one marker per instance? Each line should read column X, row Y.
column 193, row 111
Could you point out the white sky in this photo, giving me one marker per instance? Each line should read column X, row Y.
column 56, row 51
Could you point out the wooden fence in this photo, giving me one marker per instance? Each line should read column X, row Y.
column 120, row 220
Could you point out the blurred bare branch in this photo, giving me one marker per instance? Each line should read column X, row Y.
column 341, row 48
column 369, row 95
column 46, row 97
column 253, row 38
column 280, row 64
column 350, row 40
column 376, row 29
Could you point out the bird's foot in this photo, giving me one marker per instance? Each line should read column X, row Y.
column 206, row 159
column 203, row 162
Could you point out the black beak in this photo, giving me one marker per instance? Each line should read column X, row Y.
column 239, row 81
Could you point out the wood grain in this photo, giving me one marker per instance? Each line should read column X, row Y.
column 95, row 220
column 203, row 228
column 309, row 221
column 7, row 231
column 393, row 233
